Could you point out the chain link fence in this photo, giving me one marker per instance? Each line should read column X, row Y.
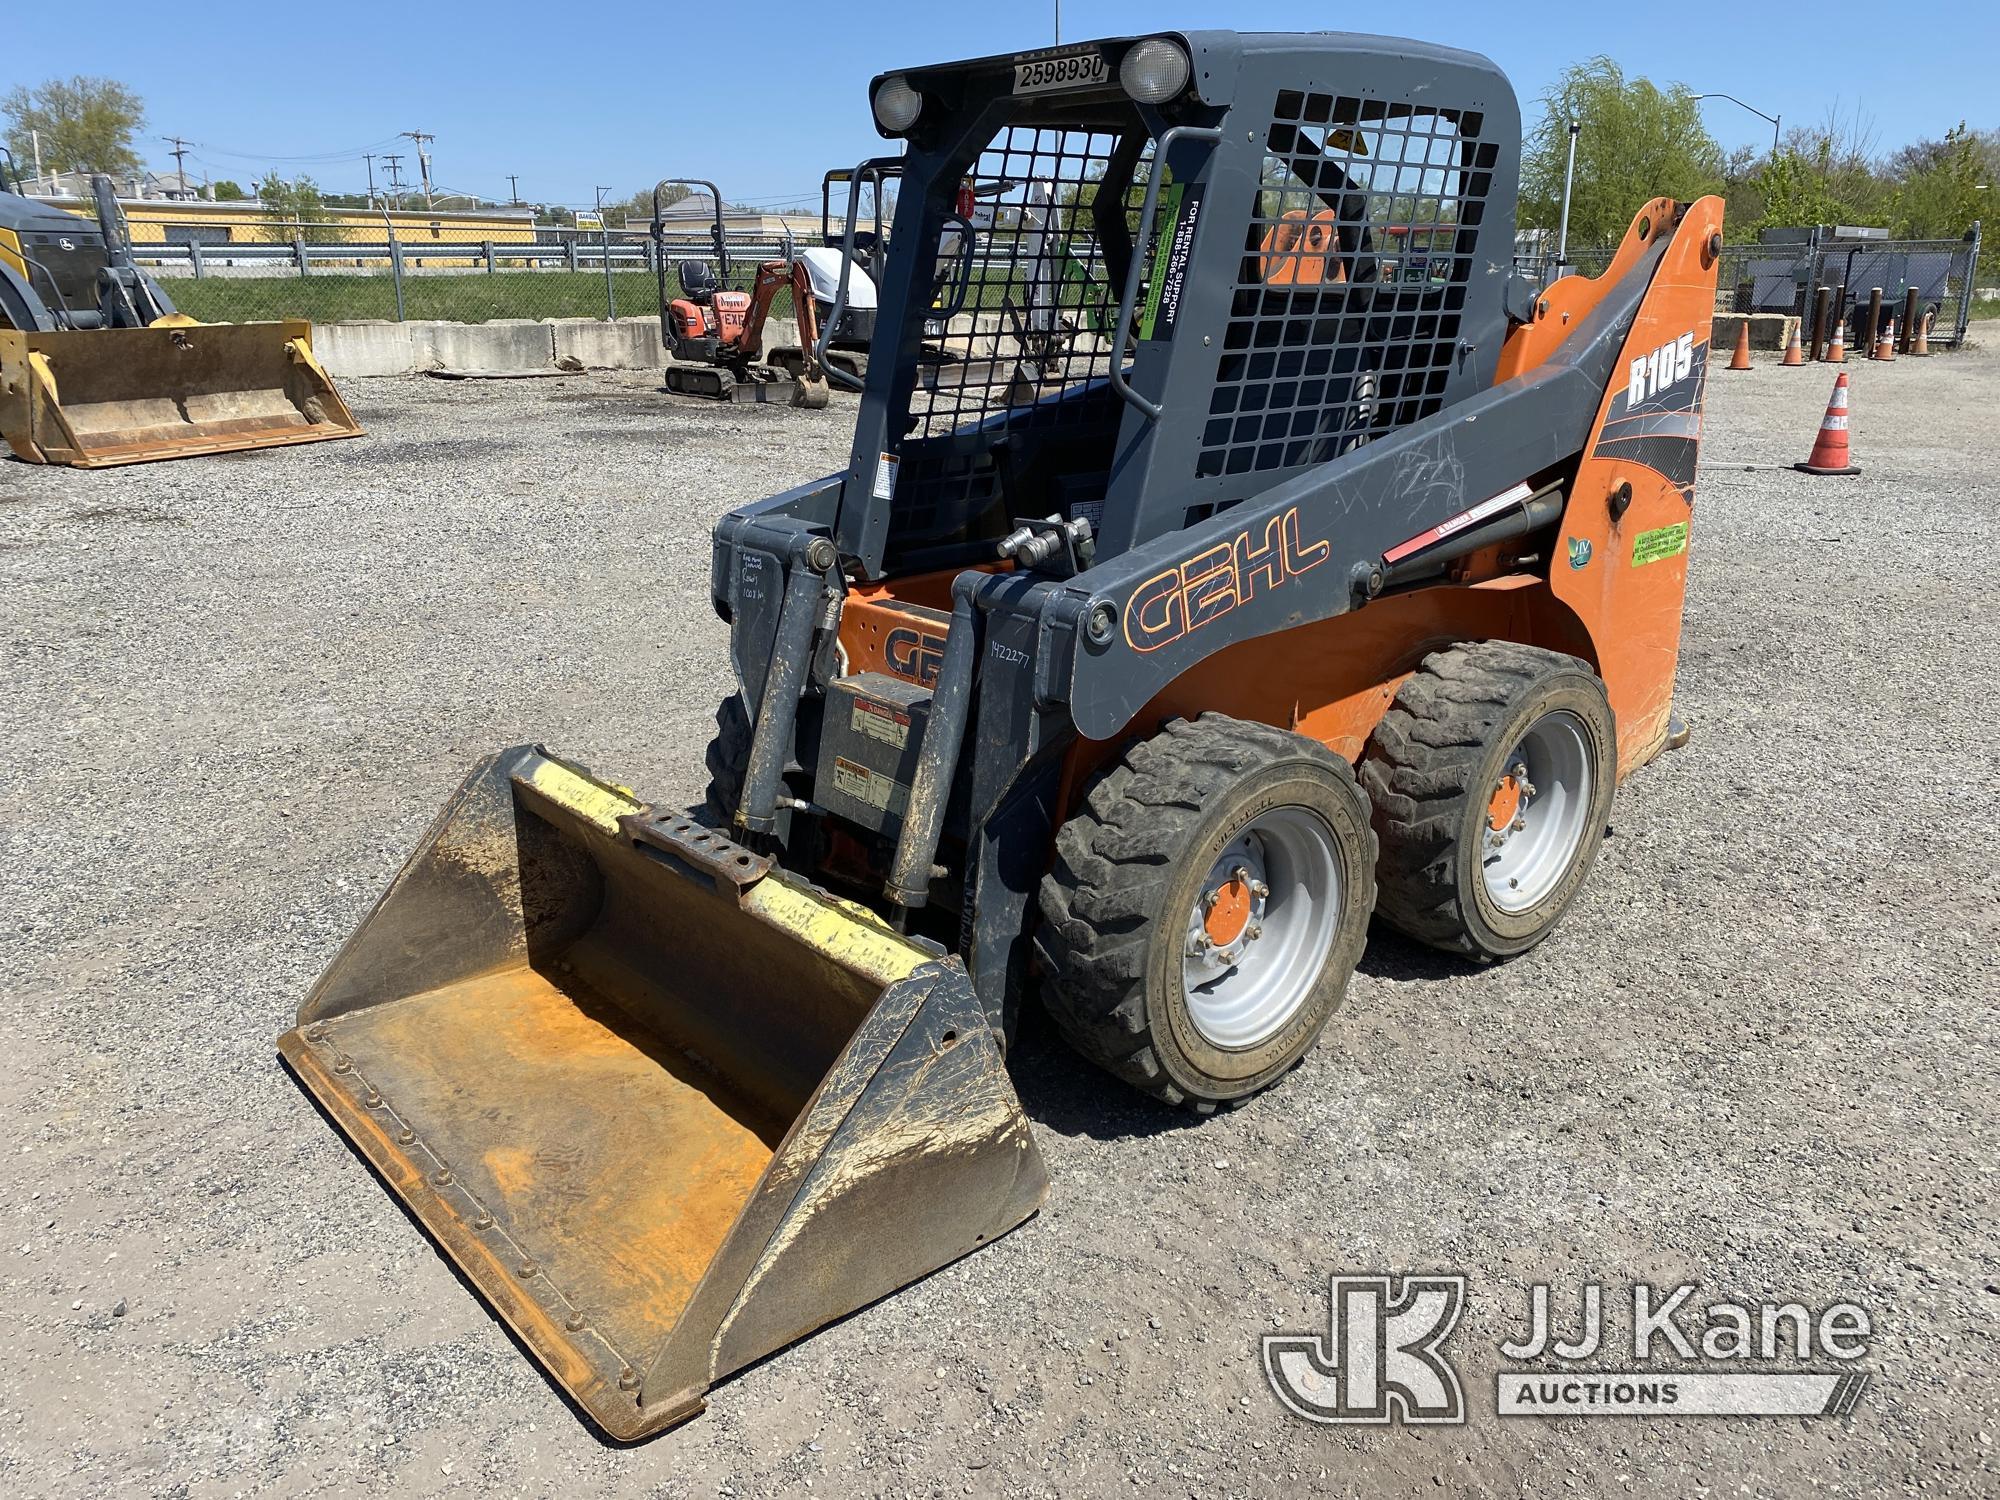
column 330, row 272
column 1785, row 277
column 333, row 272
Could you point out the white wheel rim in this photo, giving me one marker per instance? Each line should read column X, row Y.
column 1545, row 787
column 1280, row 874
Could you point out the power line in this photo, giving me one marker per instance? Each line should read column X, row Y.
column 325, row 156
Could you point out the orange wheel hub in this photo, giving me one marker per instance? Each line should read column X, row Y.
column 1228, row 913
column 1505, row 803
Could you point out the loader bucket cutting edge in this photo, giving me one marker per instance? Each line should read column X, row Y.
column 109, row 396
column 667, row 1108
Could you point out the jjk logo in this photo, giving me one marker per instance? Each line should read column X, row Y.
column 1379, row 1359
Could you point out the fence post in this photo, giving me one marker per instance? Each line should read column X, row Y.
column 610, row 296
column 570, row 245
column 299, row 250
column 395, row 262
column 1969, row 288
column 194, row 254
column 487, row 247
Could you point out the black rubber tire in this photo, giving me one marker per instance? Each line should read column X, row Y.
column 1429, row 769
column 1129, row 865
column 728, row 758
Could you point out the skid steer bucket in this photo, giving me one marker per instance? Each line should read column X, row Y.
column 668, row 1108
column 105, row 396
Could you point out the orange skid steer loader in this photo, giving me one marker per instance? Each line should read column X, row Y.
column 1281, row 598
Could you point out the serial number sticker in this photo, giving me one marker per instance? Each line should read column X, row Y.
column 1077, row 70
column 1654, row 546
column 880, row 722
column 870, row 787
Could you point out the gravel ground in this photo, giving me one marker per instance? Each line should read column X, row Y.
column 1758, row 1054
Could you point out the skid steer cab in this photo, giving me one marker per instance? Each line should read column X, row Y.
column 98, row 368
column 1204, row 584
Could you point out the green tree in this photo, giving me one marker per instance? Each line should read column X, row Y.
column 229, row 192
column 1638, row 141
column 1938, row 193
column 85, row 124
column 1823, row 174
column 289, row 206
column 1796, row 190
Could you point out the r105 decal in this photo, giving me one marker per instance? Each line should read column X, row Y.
column 1656, row 371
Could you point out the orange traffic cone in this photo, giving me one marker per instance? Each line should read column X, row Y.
column 1836, row 347
column 1921, row 344
column 1829, row 450
column 1740, row 360
column 1795, row 351
column 1885, row 340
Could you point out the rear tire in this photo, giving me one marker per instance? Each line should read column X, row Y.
column 1475, row 858
column 1184, row 829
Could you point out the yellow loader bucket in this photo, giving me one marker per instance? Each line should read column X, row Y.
column 106, row 396
column 668, row 1108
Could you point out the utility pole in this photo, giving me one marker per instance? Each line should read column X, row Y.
column 395, row 176
column 179, row 154
column 423, row 160
column 369, row 157
column 513, row 190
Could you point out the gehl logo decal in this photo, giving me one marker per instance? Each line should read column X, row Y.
column 1179, row 600
column 1656, row 371
column 914, row 656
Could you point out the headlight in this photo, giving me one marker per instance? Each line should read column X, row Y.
column 1152, row 72
column 897, row 105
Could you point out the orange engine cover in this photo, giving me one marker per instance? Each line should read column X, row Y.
column 731, row 308
column 689, row 319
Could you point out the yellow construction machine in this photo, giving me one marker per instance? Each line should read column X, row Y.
column 97, row 367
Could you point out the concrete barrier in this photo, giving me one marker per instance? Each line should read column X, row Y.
column 510, row 344
column 364, row 348
column 1767, row 330
column 628, row 344
column 503, row 344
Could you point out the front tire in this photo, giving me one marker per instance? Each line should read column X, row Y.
column 1491, row 779
column 728, row 760
column 1208, row 904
